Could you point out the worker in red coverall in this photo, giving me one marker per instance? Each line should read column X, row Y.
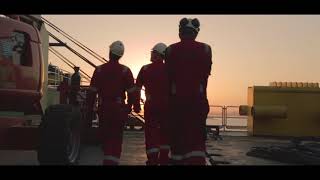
column 189, row 65
column 63, row 88
column 110, row 81
column 75, row 83
column 155, row 80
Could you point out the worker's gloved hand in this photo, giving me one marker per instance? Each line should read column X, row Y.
column 137, row 109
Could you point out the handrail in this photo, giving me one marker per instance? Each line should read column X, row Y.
column 225, row 117
column 227, row 126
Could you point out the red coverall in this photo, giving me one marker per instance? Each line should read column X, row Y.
column 189, row 65
column 63, row 88
column 154, row 78
column 111, row 80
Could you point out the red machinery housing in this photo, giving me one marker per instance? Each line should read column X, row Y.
column 21, row 68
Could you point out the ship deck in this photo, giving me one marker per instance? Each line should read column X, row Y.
column 232, row 149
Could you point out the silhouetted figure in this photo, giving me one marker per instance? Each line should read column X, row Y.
column 154, row 78
column 63, row 88
column 110, row 81
column 75, row 86
column 189, row 65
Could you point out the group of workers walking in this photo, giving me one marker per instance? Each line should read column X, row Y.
column 176, row 105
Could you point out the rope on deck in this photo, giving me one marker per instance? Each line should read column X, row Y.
column 306, row 154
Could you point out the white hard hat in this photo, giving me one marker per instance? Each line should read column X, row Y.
column 190, row 23
column 117, row 48
column 160, row 48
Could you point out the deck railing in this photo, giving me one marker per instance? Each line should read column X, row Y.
column 227, row 117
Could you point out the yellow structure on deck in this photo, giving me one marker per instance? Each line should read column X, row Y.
column 283, row 109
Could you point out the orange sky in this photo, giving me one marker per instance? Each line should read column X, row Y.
column 248, row 50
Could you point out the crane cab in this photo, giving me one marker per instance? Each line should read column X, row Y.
column 21, row 67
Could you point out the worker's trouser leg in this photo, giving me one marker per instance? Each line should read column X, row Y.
column 176, row 139
column 164, row 150
column 164, row 143
column 195, row 133
column 157, row 147
column 152, row 137
column 187, row 132
column 112, row 151
column 111, row 131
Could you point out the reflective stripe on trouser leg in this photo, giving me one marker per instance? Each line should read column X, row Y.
column 110, row 160
column 177, row 159
column 112, row 148
column 195, row 145
column 111, row 132
column 195, row 158
column 112, row 152
column 152, row 155
column 153, row 150
column 195, row 154
column 152, row 135
column 176, row 146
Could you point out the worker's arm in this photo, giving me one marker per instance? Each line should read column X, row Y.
column 130, row 89
column 169, row 68
column 138, row 86
column 93, row 89
column 209, row 60
column 91, row 95
column 208, row 65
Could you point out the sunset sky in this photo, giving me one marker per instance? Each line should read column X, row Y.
column 247, row 49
